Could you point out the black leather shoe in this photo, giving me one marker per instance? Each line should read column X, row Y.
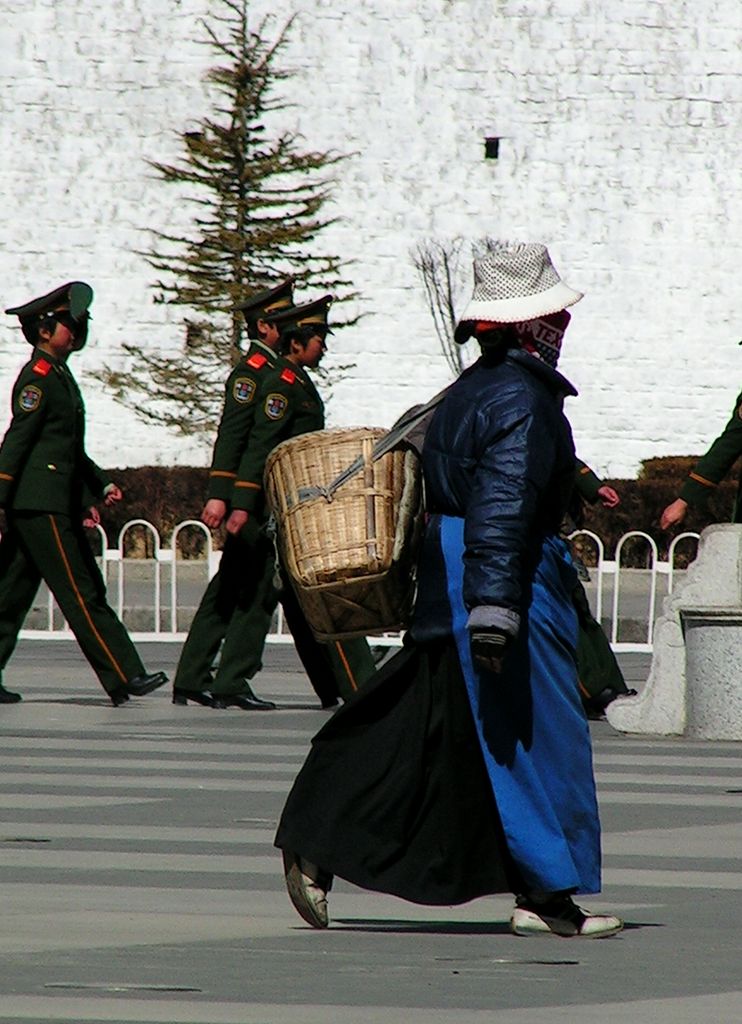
column 595, row 706
column 146, row 683
column 118, row 696
column 247, row 700
column 181, row 696
column 8, row 697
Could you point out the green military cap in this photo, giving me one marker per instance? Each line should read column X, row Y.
column 311, row 314
column 75, row 297
column 264, row 305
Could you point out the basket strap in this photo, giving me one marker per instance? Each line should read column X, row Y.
column 399, row 431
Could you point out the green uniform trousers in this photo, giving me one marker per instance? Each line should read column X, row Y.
column 53, row 547
column 236, row 612
column 597, row 667
column 336, row 668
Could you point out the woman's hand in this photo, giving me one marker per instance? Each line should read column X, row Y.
column 488, row 648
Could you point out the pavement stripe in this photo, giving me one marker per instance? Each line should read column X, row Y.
column 53, row 763
column 247, row 766
column 679, row 781
column 722, row 1008
column 118, row 756
column 117, row 744
column 667, row 761
column 11, row 830
column 251, row 742
column 722, row 841
column 49, row 858
column 673, row 878
column 663, row 798
column 143, row 783
column 47, row 801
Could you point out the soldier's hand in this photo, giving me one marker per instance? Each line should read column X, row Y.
column 213, row 513
column 92, row 519
column 237, row 519
column 113, row 494
column 674, row 514
column 608, row 497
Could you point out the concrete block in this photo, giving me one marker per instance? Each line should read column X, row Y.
column 694, row 686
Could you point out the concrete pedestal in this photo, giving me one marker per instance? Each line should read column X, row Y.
column 713, row 660
column 694, row 686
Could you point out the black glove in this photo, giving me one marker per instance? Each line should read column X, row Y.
column 488, row 647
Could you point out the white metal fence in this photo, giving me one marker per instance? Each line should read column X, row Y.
column 156, row 590
column 634, row 595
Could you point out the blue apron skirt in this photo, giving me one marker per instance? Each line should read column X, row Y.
column 532, row 729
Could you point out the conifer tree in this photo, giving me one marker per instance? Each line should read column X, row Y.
column 257, row 200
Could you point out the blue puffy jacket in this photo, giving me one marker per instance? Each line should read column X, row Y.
column 499, row 454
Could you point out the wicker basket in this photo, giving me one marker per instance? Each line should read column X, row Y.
column 351, row 558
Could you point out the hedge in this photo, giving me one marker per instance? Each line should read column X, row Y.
column 643, row 501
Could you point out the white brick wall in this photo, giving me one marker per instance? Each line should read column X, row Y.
column 621, row 123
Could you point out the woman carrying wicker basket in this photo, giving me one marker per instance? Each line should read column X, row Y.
column 464, row 768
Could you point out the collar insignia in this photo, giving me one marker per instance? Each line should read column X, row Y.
column 257, row 360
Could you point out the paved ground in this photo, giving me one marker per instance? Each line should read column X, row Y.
column 140, row 883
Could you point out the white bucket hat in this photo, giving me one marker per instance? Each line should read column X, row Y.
column 515, row 281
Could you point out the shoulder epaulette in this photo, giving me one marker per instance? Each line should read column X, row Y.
column 42, row 367
column 257, row 360
column 288, row 375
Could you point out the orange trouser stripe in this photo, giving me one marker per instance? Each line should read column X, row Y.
column 346, row 666
column 81, row 601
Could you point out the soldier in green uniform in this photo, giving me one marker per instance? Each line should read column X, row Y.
column 222, row 616
column 599, row 675
column 237, row 607
column 291, row 405
column 289, row 402
column 46, row 481
column 708, row 473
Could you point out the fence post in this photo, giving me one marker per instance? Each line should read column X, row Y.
column 174, row 566
column 122, row 561
column 671, row 556
column 652, row 586
column 601, row 559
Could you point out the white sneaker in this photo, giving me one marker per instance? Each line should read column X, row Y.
column 561, row 916
column 307, row 887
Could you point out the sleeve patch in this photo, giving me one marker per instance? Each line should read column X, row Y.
column 257, row 360
column 288, row 375
column 30, row 398
column 42, row 367
column 275, row 406
column 244, row 390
